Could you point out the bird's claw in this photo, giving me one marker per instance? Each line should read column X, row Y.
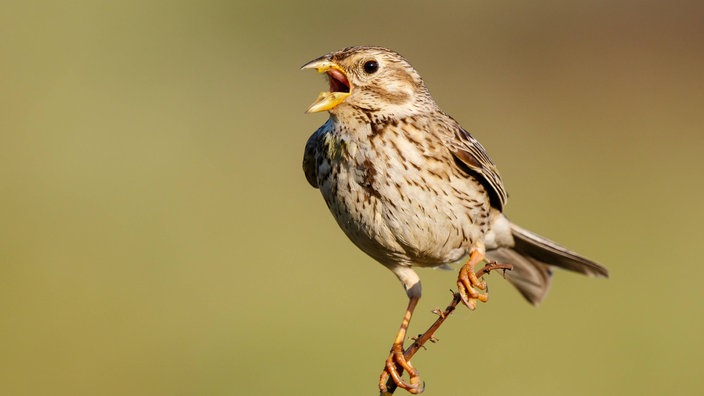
column 468, row 283
column 396, row 358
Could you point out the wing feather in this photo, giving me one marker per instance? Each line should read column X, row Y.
column 310, row 156
column 469, row 152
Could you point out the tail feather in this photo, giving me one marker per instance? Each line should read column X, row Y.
column 532, row 257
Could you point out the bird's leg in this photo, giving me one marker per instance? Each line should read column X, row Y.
column 429, row 334
column 396, row 357
column 467, row 280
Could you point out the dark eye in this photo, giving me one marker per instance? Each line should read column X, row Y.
column 371, row 67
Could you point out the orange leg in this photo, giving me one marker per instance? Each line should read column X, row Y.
column 467, row 281
column 396, row 358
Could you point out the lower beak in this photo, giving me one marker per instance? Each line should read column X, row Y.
column 329, row 99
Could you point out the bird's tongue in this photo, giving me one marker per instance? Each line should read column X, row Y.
column 338, row 81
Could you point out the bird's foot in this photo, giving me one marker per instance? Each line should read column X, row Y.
column 468, row 282
column 395, row 362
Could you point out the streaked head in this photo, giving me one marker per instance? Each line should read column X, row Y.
column 375, row 80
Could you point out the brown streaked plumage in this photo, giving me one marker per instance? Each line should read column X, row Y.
column 412, row 188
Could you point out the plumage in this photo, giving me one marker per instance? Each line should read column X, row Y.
column 412, row 188
column 408, row 184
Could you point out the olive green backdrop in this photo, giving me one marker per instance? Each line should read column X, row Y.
column 158, row 237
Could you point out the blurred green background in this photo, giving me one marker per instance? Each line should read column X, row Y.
column 158, row 237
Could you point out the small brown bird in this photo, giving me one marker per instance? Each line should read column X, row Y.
column 412, row 188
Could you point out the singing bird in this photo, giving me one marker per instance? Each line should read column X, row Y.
column 412, row 188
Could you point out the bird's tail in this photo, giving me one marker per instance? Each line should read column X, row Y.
column 532, row 257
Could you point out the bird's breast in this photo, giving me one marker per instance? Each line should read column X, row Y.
column 396, row 197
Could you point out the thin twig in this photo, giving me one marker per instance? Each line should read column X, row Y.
column 429, row 334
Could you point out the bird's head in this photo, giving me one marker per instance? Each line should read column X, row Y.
column 374, row 80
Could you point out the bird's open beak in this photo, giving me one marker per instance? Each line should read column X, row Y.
column 339, row 85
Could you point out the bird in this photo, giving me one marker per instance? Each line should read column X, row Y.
column 411, row 187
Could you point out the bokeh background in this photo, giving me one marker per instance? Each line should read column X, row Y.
column 158, row 237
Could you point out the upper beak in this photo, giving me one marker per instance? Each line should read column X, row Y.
column 339, row 84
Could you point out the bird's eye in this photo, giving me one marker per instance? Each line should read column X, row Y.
column 371, row 66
